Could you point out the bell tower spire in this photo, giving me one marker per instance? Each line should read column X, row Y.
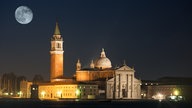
column 57, row 31
column 57, row 34
column 56, row 55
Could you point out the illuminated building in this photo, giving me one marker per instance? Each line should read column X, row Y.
column 60, row 87
column 56, row 55
column 9, row 84
column 25, row 89
column 101, row 69
column 121, row 82
column 123, row 85
column 60, row 90
column 99, row 80
column 167, row 86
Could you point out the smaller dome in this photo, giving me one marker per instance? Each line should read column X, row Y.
column 103, row 62
column 92, row 64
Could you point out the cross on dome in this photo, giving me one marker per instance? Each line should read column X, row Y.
column 103, row 53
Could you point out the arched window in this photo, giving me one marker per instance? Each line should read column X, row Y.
column 58, row 45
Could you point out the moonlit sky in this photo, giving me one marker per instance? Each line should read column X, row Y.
column 153, row 36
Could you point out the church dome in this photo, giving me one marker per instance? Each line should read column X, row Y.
column 103, row 62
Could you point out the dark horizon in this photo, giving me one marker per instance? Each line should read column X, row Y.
column 154, row 37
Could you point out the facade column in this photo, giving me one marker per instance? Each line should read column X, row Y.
column 132, row 83
column 120, row 92
column 114, row 90
column 127, row 85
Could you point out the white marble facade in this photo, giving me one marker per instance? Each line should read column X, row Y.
column 123, row 85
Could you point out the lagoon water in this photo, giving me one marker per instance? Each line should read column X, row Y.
column 28, row 103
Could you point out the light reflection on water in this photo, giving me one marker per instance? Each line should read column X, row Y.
column 6, row 103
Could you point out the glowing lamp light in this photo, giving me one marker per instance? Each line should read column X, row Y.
column 176, row 92
column 160, row 96
column 6, row 94
column 43, row 94
column 59, row 93
column 20, row 93
column 173, row 97
column 77, row 92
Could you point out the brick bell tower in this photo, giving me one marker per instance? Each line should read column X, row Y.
column 56, row 55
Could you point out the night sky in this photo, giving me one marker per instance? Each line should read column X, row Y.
column 153, row 36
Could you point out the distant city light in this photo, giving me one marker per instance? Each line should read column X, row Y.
column 175, row 98
column 159, row 96
column 176, row 92
column 6, row 94
column 20, row 93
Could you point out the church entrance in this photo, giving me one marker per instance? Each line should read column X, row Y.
column 124, row 93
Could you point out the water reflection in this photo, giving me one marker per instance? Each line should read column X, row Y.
column 30, row 103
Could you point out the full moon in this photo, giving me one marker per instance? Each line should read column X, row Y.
column 23, row 15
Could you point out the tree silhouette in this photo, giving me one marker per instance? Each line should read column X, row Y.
column 37, row 79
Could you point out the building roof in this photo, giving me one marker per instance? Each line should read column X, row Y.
column 57, row 34
column 125, row 67
column 170, row 81
column 96, row 69
column 57, row 31
column 66, row 83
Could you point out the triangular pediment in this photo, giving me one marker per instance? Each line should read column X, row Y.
column 112, row 79
column 125, row 67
